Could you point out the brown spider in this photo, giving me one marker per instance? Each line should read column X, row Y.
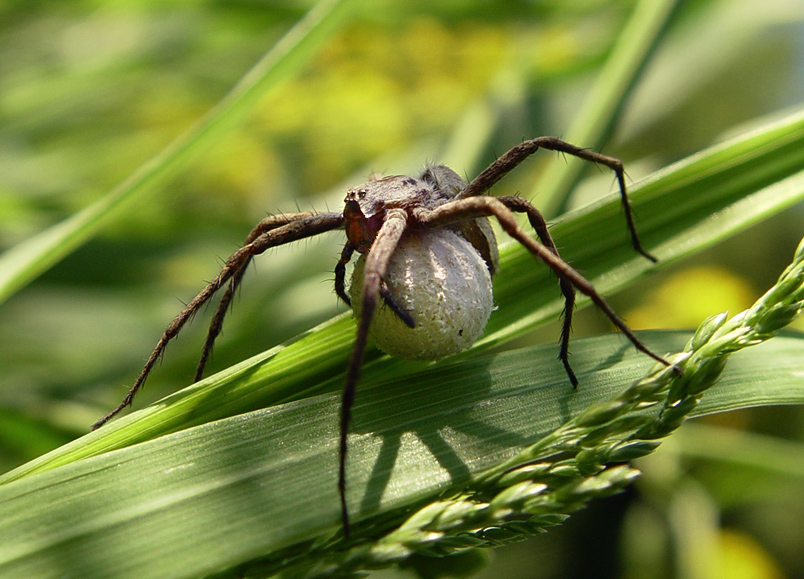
column 379, row 216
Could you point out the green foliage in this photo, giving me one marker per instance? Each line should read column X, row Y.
column 315, row 362
column 483, row 465
column 235, row 475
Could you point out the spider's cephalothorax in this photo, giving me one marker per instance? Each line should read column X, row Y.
column 419, row 237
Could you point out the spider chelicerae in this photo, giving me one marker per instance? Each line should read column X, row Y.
column 436, row 215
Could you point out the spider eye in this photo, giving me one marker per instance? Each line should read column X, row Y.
column 361, row 193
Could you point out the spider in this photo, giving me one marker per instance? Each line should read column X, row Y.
column 394, row 213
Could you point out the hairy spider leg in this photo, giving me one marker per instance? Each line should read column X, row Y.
column 375, row 267
column 537, row 221
column 385, row 293
column 473, row 207
column 216, row 324
column 504, row 164
column 307, row 225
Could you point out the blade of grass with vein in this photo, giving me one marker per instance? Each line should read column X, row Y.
column 21, row 264
column 517, row 451
column 683, row 208
column 261, row 487
column 593, row 120
column 740, row 448
column 591, row 125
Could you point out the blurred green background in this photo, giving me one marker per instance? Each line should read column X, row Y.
column 90, row 90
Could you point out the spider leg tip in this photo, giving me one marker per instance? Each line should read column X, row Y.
column 570, row 373
column 649, row 256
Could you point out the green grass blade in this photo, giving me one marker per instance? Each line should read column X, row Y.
column 679, row 210
column 684, row 208
column 594, row 120
column 740, row 448
column 263, row 484
column 21, row 264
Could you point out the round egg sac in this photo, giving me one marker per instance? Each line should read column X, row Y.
column 442, row 281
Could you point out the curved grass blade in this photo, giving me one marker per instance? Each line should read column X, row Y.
column 684, row 208
column 260, row 487
column 740, row 448
column 20, row 264
column 593, row 121
column 639, row 38
column 681, row 209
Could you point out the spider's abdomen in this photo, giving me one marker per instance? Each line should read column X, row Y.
column 444, row 283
